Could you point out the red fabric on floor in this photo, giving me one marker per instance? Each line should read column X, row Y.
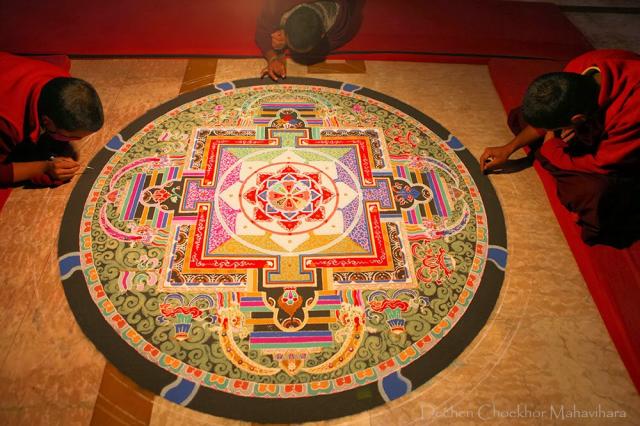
column 612, row 275
column 60, row 61
column 4, row 194
column 439, row 30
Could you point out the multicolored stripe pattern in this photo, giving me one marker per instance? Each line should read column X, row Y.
column 306, row 112
column 133, row 209
column 328, row 302
column 253, row 304
column 284, row 340
column 442, row 203
column 133, row 197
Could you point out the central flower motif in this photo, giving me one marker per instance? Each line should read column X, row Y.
column 288, row 197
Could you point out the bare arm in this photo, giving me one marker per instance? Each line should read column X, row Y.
column 271, row 39
column 495, row 156
column 269, row 22
column 26, row 171
column 60, row 168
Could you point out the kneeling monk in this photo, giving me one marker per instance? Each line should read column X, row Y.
column 308, row 30
column 41, row 111
column 589, row 117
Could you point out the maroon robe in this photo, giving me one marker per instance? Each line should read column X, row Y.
column 21, row 81
column 343, row 30
column 600, row 181
column 616, row 141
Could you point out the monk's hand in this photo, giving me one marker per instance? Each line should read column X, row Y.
column 494, row 157
column 63, row 168
column 45, row 180
column 278, row 40
column 276, row 68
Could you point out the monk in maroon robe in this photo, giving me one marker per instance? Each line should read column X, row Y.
column 589, row 119
column 308, row 30
column 42, row 108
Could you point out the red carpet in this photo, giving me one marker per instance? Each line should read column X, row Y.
column 612, row 275
column 423, row 30
column 4, row 194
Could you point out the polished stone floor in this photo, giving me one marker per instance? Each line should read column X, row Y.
column 544, row 349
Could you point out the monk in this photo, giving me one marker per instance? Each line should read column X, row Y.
column 307, row 30
column 588, row 118
column 41, row 111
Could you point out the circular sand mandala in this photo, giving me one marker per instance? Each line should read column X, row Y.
column 282, row 252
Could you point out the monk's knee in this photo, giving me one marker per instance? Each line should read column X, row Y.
column 608, row 208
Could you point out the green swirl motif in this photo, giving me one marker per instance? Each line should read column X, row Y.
column 176, row 209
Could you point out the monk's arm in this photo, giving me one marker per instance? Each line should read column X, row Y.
column 495, row 156
column 29, row 170
column 59, row 169
column 268, row 22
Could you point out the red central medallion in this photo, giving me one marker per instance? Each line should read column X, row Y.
column 289, row 195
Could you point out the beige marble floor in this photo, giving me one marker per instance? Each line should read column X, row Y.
column 544, row 348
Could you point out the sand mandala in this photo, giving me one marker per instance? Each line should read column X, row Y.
column 282, row 252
